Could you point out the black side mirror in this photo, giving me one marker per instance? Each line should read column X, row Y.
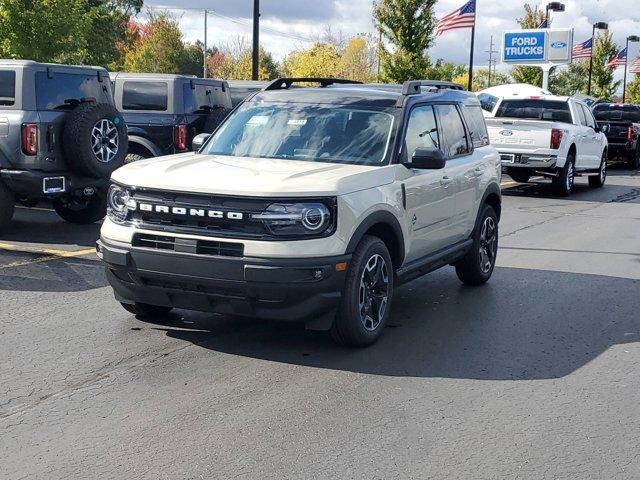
column 427, row 159
column 199, row 140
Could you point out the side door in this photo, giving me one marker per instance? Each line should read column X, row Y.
column 594, row 138
column 430, row 194
column 583, row 155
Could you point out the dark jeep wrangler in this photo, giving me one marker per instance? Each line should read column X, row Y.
column 61, row 137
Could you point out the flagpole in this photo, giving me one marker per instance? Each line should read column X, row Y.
column 624, row 82
column 473, row 37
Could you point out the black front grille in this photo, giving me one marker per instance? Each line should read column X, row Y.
column 187, row 245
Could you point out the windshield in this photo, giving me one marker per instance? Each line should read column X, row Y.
column 606, row 111
column 337, row 134
column 535, row 109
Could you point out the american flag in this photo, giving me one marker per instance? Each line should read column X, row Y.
column 463, row 17
column 634, row 67
column 582, row 50
column 618, row 60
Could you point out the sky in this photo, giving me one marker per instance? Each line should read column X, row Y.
column 287, row 25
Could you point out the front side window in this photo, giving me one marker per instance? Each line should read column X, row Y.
column 334, row 134
column 145, row 96
column 535, row 109
column 61, row 91
column 422, row 131
column 7, row 87
column 452, row 128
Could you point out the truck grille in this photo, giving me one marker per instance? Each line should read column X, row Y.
column 187, row 245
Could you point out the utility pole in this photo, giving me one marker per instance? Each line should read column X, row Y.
column 204, row 66
column 256, row 41
column 492, row 62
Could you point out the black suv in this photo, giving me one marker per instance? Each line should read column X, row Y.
column 165, row 112
column 61, row 137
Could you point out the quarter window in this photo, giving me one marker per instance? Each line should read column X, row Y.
column 145, row 96
column 477, row 126
column 7, row 87
column 581, row 116
column 452, row 128
column 422, row 131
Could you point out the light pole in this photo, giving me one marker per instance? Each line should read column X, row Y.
column 630, row 38
column 204, row 65
column 255, row 65
column 553, row 7
column 599, row 26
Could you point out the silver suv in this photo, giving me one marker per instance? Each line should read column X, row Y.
column 310, row 204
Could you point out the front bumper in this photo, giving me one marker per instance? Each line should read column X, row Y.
column 279, row 289
column 30, row 184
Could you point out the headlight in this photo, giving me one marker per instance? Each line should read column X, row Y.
column 296, row 218
column 119, row 203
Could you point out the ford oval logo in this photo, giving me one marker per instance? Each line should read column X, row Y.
column 506, row 133
column 558, row 45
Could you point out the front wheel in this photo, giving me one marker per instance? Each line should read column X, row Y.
column 366, row 300
column 563, row 183
column 81, row 211
column 477, row 266
column 597, row 181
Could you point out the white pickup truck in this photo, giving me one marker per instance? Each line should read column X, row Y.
column 555, row 137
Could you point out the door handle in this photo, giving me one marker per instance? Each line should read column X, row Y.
column 446, row 181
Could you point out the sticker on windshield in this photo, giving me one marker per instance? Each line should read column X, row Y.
column 258, row 120
column 297, row 121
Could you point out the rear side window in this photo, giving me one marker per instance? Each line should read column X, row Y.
column 7, row 87
column 591, row 122
column 422, row 131
column 607, row 111
column 452, row 129
column 477, row 127
column 581, row 116
column 535, row 109
column 145, row 96
column 487, row 102
column 65, row 90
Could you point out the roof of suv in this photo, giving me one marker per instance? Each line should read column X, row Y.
column 30, row 63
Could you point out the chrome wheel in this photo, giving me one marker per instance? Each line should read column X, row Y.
column 603, row 170
column 570, row 177
column 488, row 244
column 374, row 292
column 104, row 140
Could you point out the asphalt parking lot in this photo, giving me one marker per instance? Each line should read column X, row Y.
column 536, row 375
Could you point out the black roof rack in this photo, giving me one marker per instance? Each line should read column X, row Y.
column 414, row 87
column 285, row 83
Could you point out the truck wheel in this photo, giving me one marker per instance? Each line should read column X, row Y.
column 477, row 266
column 146, row 310
column 519, row 176
column 366, row 300
column 81, row 211
column 563, row 183
column 7, row 206
column 597, row 181
column 95, row 139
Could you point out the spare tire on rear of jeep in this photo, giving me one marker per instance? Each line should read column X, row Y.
column 95, row 139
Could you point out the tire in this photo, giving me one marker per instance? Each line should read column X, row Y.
column 95, row 139
column 134, row 157
column 519, row 176
column 7, row 207
column 477, row 266
column 368, row 287
column 146, row 310
column 597, row 181
column 634, row 160
column 214, row 119
column 563, row 183
column 82, row 212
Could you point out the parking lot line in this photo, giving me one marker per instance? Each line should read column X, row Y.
column 48, row 254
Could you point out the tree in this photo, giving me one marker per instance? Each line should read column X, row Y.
column 358, row 59
column 532, row 18
column 408, row 26
column 571, row 79
column 603, row 87
column 321, row 60
column 233, row 61
column 442, row 70
column 481, row 79
column 633, row 90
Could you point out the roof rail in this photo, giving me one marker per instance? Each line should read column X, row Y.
column 285, row 83
column 414, row 87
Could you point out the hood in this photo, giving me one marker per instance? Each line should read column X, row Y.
column 223, row 175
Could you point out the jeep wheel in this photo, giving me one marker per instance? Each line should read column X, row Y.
column 366, row 300
column 145, row 310
column 478, row 264
column 95, row 139
column 519, row 176
column 81, row 211
column 7, row 206
column 563, row 183
column 597, row 181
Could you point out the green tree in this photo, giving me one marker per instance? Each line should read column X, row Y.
column 234, row 61
column 571, row 79
column 633, row 90
column 408, row 26
column 603, row 86
column 358, row 59
column 442, row 70
column 481, row 79
column 321, row 60
column 532, row 18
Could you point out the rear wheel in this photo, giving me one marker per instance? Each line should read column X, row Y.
column 563, row 183
column 7, row 206
column 366, row 300
column 145, row 310
column 82, row 211
column 597, row 181
column 521, row 176
column 477, row 266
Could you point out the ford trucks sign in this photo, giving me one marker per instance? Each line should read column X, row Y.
column 551, row 46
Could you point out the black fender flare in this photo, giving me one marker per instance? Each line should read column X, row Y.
column 380, row 217
column 148, row 144
column 492, row 189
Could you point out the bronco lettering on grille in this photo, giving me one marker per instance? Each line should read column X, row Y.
column 191, row 212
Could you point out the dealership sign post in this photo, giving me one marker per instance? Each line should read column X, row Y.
column 544, row 48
